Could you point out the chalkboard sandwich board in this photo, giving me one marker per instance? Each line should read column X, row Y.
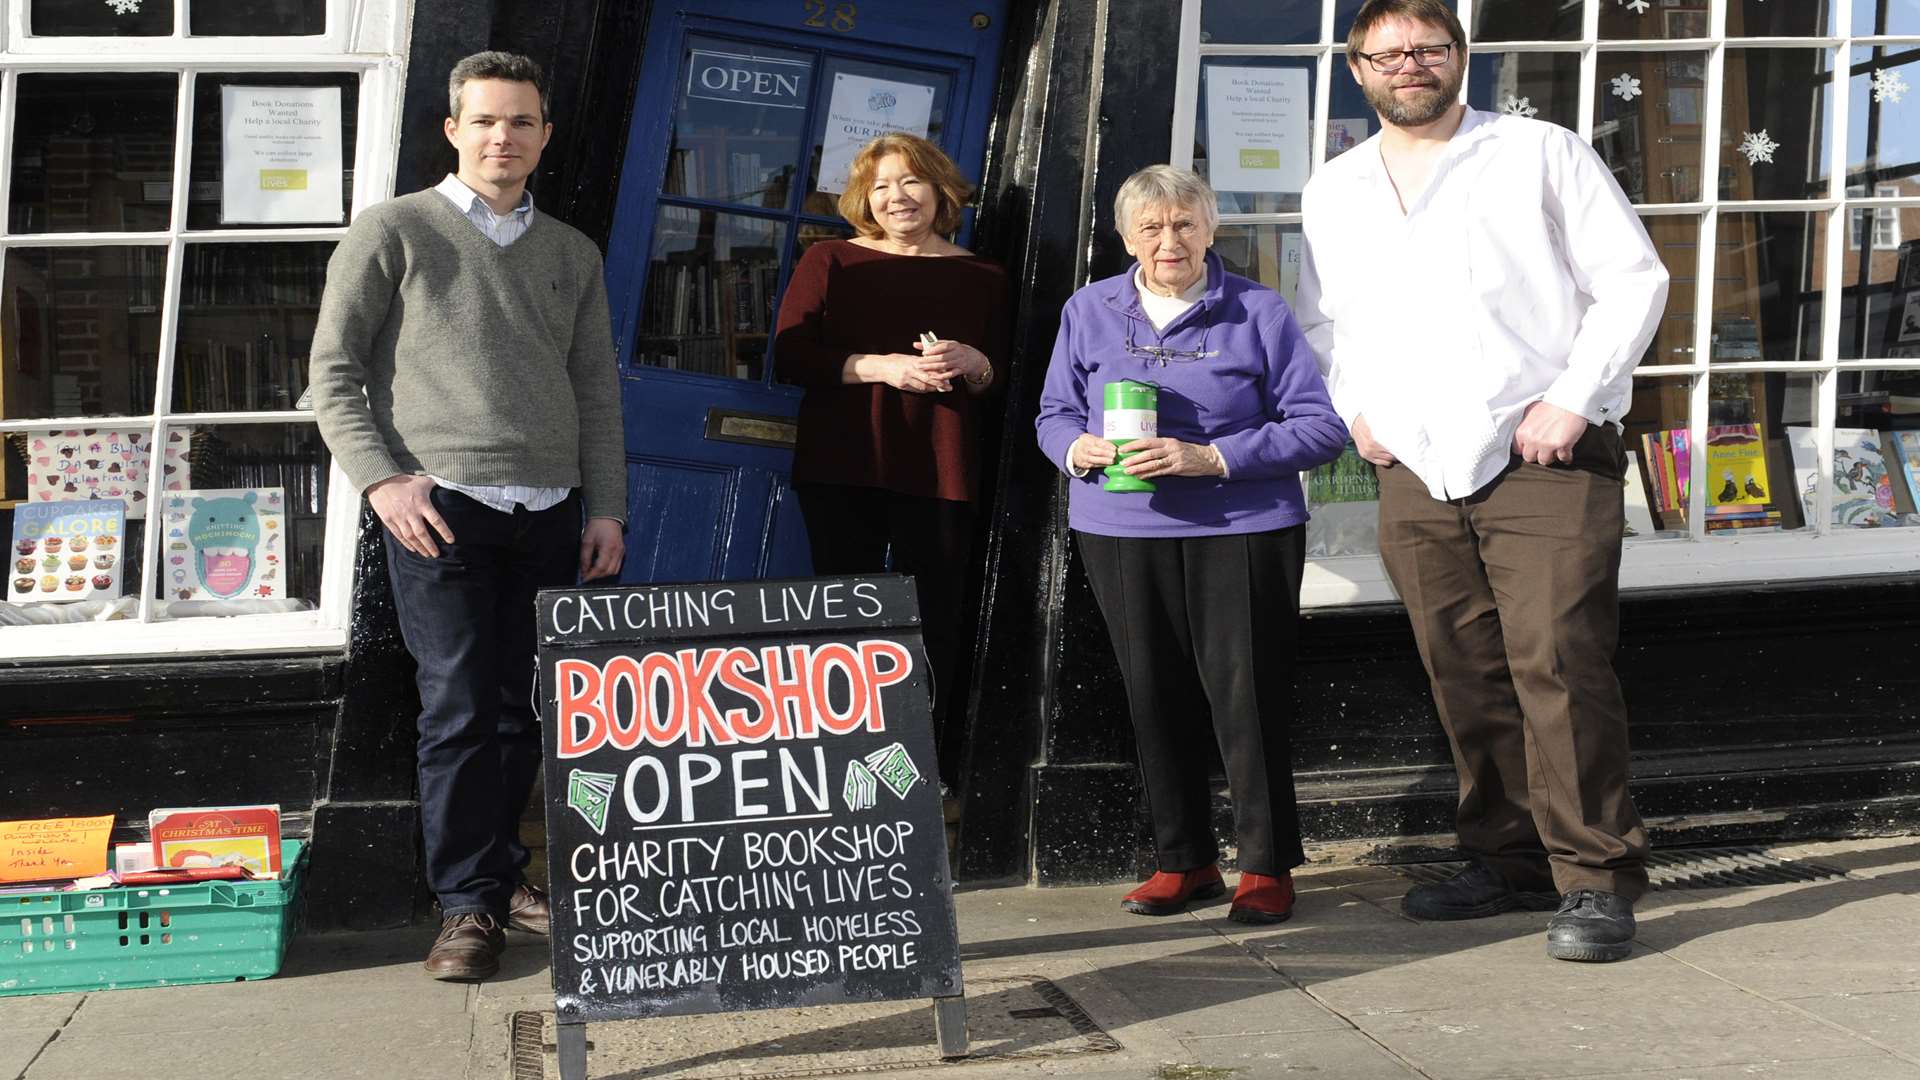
column 743, row 807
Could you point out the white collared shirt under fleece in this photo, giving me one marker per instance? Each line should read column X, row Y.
column 1520, row 274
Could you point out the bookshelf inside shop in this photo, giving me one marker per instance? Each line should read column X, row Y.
column 247, row 316
column 709, row 299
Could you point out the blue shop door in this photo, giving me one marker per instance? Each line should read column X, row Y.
column 746, row 115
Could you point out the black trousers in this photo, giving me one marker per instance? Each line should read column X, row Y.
column 468, row 619
column 851, row 529
column 1208, row 625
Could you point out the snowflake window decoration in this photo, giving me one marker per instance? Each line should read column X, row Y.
column 1638, row 7
column 124, row 7
column 1519, row 106
column 1758, row 147
column 1626, row 87
column 1888, row 86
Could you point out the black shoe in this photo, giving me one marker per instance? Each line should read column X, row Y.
column 1473, row 893
column 1591, row 925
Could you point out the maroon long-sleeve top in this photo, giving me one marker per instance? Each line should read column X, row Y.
column 845, row 299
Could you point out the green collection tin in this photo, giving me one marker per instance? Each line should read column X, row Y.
column 1132, row 411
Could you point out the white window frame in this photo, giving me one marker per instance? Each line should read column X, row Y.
column 366, row 37
column 1819, row 551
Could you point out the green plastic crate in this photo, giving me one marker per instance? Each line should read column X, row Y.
column 105, row 939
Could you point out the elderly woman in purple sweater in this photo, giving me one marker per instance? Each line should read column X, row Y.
column 1199, row 580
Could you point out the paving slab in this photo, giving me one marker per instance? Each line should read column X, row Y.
column 1824, row 938
column 208, row 1048
column 1346, row 1055
column 1217, row 990
column 1655, row 1014
column 1890, row 1020
column 1871, row 1067
column 327, row 980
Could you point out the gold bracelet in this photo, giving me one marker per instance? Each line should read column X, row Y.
column 985, row 377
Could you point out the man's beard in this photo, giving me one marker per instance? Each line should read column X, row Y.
column 1420, row 109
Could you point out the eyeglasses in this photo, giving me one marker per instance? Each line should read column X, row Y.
column 1160, row 354
column 1394, row 59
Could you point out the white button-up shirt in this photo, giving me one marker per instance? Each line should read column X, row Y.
column 502, row 229
column 1520, row 274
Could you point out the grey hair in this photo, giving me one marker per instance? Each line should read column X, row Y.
column 1165, row 185
column 493, row 64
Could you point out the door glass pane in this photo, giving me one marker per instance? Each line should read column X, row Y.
column 738, row 128
column 861, row 101
column 246, row 537
column 1260, row 22
column 1647, row 122
column 1525, row 20
column 92, row 153
column 80, row 331
column 1878, row 411
column 209, row 114
column 1658, row 481
column 1885, row 17
column 1766, row 294
column 1883, row 138
column 1751, row 481
column 1769, row 18
column 1773, row 128
column 1250, row 133
column 1665, row 20
column 1545, row 86
column 256, row 18
column 247, row 313
column 712, row 281
column 100, row 18
column 1677, row 239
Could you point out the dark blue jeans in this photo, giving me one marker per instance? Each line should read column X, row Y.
column 468, row 620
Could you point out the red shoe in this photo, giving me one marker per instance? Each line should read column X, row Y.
column 1262, row 899
column 1168, row 893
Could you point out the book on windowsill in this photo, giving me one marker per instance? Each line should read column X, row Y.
column 200, row 836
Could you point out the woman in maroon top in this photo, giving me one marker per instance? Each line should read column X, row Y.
column 888, row 453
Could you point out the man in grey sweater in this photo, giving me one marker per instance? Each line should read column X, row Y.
column 463, row 376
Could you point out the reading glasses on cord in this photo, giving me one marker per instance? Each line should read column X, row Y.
column 1160, row 354
column 1392, row 60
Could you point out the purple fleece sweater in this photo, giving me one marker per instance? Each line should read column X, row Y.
column 1259, row 399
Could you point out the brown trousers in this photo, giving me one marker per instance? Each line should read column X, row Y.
column 1513, row 593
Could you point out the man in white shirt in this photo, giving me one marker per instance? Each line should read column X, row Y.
column 1478, row 292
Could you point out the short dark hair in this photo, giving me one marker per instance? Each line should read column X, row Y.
column 495, row 65
column 1375, row 12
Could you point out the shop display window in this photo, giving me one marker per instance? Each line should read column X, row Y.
column 155, row 328
column 1720, row 121
column 1269, row 100
column 1657, row 438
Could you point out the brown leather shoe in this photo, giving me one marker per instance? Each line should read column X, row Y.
column 527, row 910
column 468, row 948
column 1167, row 892
column 1262, row 898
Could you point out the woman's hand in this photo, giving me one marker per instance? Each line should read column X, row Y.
column 1148, row 459
column 961, row 360
column 1090, row 452
column 902, row 371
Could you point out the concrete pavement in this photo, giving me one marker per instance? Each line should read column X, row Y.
column 1791, row 982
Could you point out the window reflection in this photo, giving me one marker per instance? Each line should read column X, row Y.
column 1269, row 254
column 1260, row 22
column 1766, row 294
column 1526, row 20
column 1666, row 20
column 1658, row 444
column 76, row 18
column 1647, row 122
column 737, row 131
column 257, row 18
column 247, row 315
column 1545, row 86
column 1770, row 18
column 1677, row 240
column 80, row 330
column 92, row 153
column 1885, row 17
column 1773, row 130
column 1756, row 424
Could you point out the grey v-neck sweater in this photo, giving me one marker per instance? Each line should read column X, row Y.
column 438, row 351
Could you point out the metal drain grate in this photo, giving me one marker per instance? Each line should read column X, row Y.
column 1685, row 868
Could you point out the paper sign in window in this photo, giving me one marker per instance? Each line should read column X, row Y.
column 280, row 155
column 861, row 110
column 1257, row 128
